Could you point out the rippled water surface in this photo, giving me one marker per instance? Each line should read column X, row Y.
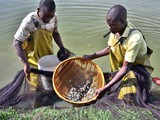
column 82, row 25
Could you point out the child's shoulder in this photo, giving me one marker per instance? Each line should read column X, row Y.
column 30, row 16
column 28, row 21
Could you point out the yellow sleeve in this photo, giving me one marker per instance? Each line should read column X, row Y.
column 110, row 40
column 133, row 47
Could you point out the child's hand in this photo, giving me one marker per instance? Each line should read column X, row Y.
column 100, row 92
column 87, row 57
column 90, row 57
column 64, row 53
column 27, row 70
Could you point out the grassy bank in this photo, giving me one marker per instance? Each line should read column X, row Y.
column 48, row 113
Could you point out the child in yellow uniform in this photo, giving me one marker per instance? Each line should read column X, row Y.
column 34, row 38
column 129, row 80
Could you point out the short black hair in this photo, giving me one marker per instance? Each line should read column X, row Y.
column 118, row 12
column 49, row 4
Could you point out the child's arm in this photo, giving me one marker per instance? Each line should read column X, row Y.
column 57, row 38
column 20, row 36
column 97, row 54
column 21, row 55
column 56, row 34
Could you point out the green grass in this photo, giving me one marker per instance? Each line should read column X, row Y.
column 48, row 113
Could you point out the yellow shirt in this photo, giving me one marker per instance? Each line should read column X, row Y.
column 134, row 43
column 132, row 49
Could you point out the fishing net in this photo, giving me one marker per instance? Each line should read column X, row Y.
column 19, row 94
column 132, row 92
column 10, row 94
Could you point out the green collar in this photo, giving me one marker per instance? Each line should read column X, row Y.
column 127, row 30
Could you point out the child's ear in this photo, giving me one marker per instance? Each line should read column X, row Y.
column 122, row 21
column 38, row 9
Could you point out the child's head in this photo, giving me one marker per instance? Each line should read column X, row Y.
column 46, row 10
column 117, row 19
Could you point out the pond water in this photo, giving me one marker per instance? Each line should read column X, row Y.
column 82, row 26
